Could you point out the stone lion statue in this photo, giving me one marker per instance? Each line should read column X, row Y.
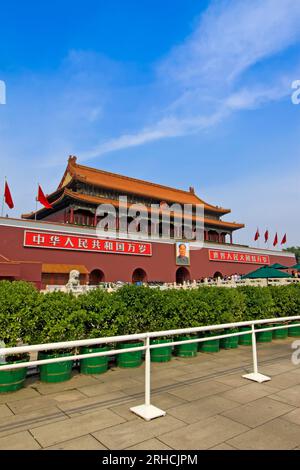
column 73, row 282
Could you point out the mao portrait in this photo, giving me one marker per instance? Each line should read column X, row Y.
column 182, row 254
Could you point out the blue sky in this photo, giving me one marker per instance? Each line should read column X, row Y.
column 180, row 92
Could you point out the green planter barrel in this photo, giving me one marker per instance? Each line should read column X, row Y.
column 130, row 359
column 186, row 350
column 294, row 331
column 263, row 336
column 163, row 354
column 230, row 342
column 94, row 365
column 56, row 372
column 13, row 380
column 211, row 346
column 245, row 340
column 280, row 334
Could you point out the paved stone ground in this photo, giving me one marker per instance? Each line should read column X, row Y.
column 209, row 406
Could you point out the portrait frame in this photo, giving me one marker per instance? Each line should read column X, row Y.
column 182, row 255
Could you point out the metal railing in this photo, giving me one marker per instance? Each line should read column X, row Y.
column 229, row 283
column 146, row 410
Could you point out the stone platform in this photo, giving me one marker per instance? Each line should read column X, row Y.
column 208, row 403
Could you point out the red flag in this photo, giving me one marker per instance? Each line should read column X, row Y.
column 283, row 241
column 275, row 240
column 256, row 235
column 266, row 236
column 43, row 200
column 7, row 196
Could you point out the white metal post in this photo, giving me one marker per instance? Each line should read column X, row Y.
column 147, row 372
column 3, row 199
column 255, row 375
column 147, row 411
column 254, row 350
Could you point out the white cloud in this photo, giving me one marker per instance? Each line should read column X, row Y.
column 162, row 130
column 177, row 126
column 199, row 84
column 202, row 73
column 231, row 36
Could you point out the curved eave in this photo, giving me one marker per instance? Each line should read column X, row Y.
column 218, row 210
column 207, row 206
column 32, row 214
column 74, row 170
column 98, row 200
column 227, row 225
column 69, row 169
column 115, row 203
column 55, row 195
column 67, row 193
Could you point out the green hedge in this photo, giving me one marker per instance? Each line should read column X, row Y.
column 258, row 302
column 28, row 316
column 286, row 300
column 18, row 301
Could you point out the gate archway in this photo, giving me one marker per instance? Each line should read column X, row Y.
column 218, row 274
column 182, row 275
column 139, row 275
column 96, row 276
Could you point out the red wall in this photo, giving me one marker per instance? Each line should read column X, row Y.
column 159, row 267
column 58, row 216
column 31, row 272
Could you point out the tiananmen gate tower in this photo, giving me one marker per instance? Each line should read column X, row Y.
column 44, row 246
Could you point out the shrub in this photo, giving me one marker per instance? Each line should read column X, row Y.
column 99, row 311
column 295, row 289
column 58, row 317
column 17, row 304
column 286, row 300
column 178, row 310
column 31, row 317
column 259, row 303
column 224, row 305
column 201, row 307
column 138, row 309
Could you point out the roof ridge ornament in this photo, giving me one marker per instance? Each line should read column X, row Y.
column 72, row 159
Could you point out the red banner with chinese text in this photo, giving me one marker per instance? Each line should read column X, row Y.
column 60, row 241
column 238, row 257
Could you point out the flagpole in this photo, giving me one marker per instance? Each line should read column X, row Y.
column 2, row 208
column 258, row 235
column 36, row 204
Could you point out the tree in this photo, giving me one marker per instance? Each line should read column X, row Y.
column 295, row 250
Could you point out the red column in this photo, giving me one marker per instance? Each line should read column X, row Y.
column 154, row 228
column 72, row 215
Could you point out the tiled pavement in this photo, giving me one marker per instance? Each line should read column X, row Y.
column 209, row 406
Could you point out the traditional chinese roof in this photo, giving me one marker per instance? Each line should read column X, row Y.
column 63, row 268
column 126, row 184
column 96, row 200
